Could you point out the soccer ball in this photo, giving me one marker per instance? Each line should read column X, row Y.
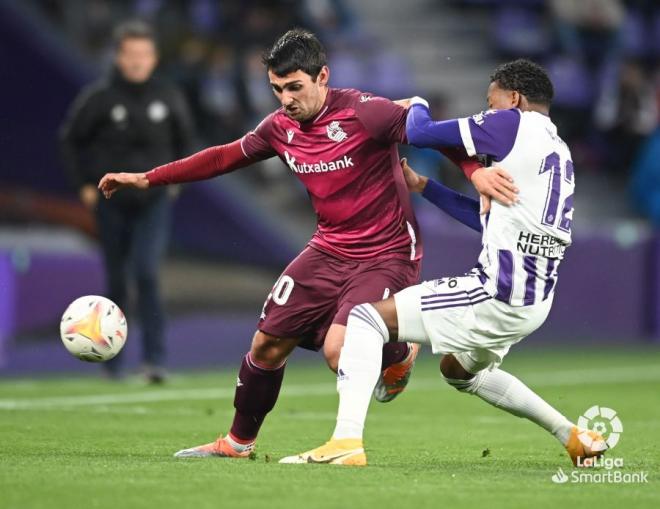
column 93, row 328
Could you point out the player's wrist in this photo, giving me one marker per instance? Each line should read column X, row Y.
column 418, row 100
column 477, row 174
column 421, row 185
column 145, row 180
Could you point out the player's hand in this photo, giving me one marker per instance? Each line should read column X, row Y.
column 415, row 182
column 494, row 183
column 484, row 204
column 112, row 182
column 404, row 103
column 89, row 196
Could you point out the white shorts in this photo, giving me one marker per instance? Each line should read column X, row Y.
column 455, row 315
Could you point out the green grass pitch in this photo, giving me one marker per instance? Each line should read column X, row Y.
column 89, row 443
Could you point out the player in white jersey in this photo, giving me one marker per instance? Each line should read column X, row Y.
column 473, row 320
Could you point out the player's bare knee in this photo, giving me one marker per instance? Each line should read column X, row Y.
column 451, row 368
column 332, row 359
column 268, row 349
column 331, row 352
column 333, row 342
column 455, row 374
column 387, row 310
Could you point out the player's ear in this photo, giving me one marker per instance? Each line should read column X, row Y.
column 517, row 100
column 324, row 76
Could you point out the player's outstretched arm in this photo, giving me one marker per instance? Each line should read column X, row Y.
column 203, row 165
column 460, row 207
column 424, row 132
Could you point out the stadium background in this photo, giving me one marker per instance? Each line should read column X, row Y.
column 69, row 438
column 232, row 236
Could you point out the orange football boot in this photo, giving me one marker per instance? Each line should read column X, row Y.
column 394, row 378
column 220, row 448
column 583, row 445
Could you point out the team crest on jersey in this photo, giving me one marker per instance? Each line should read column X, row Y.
column 335, row 132
column 289, row 135
column 365, row 98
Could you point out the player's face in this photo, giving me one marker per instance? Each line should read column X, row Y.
column 501, row 99
column 300, row 96
column 136, row 59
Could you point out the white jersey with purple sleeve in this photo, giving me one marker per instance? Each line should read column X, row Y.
column 524, row 243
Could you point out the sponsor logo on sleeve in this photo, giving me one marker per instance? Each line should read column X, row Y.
column 480, row 118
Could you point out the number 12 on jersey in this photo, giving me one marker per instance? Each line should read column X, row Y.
column 552, row 165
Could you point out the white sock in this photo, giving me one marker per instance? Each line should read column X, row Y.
column 359, row 369
column 505, row 391
column 237, row 446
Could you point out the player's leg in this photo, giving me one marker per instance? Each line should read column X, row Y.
column 469, row 374
column 302, row 301
column 334, row 340
column 369, row 327
column 502, row 390
column 258, row 384
column 370, row 282
column 393, row 353
column 257, row 389
column 397, row 354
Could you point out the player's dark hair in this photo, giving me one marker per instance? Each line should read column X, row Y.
column 132, row 29
column 526, row 78
column 298, row 49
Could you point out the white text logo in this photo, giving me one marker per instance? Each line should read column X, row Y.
column 320, row 167
column 600, row 429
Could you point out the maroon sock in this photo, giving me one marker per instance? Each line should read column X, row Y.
column 394, row 352
column 256, row 393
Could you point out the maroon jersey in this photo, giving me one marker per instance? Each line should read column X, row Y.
column 347, row 158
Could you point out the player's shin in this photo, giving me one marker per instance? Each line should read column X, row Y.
column 359, row 368
column 505, row 391
column 257, row 390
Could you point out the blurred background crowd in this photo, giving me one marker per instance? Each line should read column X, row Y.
column 603, row 57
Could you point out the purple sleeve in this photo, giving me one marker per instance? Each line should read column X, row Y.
column 424, row 132
column 384, row 121
column 491, row 132
column 256, row 144
column 460, row 207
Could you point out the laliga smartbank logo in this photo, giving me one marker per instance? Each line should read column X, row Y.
column 603, row 421
column 601, row 430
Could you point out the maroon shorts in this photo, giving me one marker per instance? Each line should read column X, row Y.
column 318, row 289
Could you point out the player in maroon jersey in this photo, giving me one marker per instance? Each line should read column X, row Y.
column 342, row 144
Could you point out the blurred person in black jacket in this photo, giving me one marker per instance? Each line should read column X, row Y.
column 132, row 121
